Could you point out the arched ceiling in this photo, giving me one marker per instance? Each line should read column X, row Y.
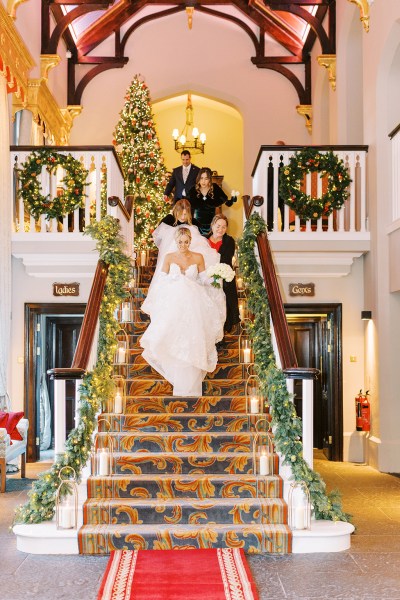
column 85, row 24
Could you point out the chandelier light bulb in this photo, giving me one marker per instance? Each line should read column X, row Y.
column 182, row 140
column 203, row 138
column 175, row 134
column 195, row 133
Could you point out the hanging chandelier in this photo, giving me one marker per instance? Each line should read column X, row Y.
column 189, row 138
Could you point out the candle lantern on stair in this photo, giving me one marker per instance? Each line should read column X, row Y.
column 241, row 287
column 263, row 451
column 121, row 353
column 125, row 312
column 119, row 394
column 134, row 281
column 103, row 453
column 245, row 346
column 299, row 506
column 254, row 396
column 67, row 500
column 142, row 259
column 243, row 310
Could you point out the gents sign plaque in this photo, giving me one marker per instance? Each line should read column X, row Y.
column 66, row 289
column 301, row 289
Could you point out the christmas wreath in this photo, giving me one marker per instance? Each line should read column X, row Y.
column 68, row 198
column 311, row 160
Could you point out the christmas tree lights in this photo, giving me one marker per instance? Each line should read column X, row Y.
column 139, row 151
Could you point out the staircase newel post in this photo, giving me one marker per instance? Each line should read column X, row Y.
column 308, row 420
column 59, row 417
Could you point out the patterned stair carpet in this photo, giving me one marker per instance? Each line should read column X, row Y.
column 183, row 474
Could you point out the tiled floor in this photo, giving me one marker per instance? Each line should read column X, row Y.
column 369, row 571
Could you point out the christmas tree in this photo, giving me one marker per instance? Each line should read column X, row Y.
column 138, row 148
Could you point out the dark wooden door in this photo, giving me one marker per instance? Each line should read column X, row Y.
column 316, row 333
column 61, row 336
column 51, row 334
column 306, row 340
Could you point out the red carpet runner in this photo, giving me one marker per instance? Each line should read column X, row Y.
column 210, row 574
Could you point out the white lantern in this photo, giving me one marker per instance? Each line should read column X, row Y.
column 67, row 500
column 122, row 351
column 103, row 454
column 263, row 450
column 254, row 397
column 119, row 394
column 299, row 506
column 245, row 346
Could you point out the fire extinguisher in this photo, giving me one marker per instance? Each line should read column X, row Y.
column 363, row 412
column 366, row 412
column 359, row 422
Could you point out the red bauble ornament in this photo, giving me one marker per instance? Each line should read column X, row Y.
column 151, row 168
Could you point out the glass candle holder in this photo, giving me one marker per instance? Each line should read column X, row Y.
column 143, row 258
column 263, row 453
column 126, row 312
column 299, row 506
column 121, row 353
column 119, row 395
column 67, row 500
column 254, row 397
column 245, row 346
column 103, row 453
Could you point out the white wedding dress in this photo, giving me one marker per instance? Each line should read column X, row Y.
column 187, row 319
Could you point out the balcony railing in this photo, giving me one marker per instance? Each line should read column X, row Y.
column 350, row 221
column 35, row 240
column 105, row 179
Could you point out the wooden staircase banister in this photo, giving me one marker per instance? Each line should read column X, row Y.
column 88, row 329
column 281, row 329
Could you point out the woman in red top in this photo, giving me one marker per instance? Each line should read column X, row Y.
column 225, row 245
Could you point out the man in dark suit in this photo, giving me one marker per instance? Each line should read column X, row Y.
column 182, row 179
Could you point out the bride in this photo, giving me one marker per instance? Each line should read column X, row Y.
column 187, row 319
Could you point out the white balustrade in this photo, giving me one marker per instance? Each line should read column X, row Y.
column 105, row 179
column 350, row 221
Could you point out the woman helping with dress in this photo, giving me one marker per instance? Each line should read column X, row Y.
column 181, row 215
column 225, row 245
column 187, row 319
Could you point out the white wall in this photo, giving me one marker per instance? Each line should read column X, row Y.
column 27, row 289
column 349, row 292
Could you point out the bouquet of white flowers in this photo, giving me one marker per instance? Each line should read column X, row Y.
column 218, row 272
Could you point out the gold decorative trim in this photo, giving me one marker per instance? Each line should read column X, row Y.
column 305, row 110
column 45, row 109
column 47, row 62
column 12, row 7
column 329, row 62
column 189, row 12
column 15, row 59
column 364, row 6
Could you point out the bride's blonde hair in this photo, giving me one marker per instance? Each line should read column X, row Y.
column 181, row 232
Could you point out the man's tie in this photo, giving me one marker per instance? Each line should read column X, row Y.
column 185, row 174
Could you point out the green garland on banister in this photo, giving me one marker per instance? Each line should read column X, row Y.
column 285, row 422
column 96, row 385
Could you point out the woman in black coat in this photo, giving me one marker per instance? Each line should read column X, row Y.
column 204, row 198
column 225, row 245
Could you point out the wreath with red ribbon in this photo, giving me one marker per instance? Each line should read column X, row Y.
column 68, row 198
column 310, row 160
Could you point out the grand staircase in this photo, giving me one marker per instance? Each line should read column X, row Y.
column 183, row 474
